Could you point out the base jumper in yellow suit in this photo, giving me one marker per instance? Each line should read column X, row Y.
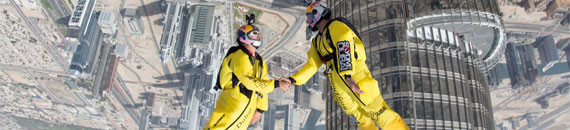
column 244, row 83
column 339, row 48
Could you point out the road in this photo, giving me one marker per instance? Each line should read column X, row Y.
column 294, row 29
column 277, row 5
column 124, row 97
column 533, row 27
column 545, row 120
column 20, row 67
column 61, row 9
column 269, row 52
column 51, row 50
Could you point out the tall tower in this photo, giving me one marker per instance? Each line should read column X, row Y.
column 430, row 57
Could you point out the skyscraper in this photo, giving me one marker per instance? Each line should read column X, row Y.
column 430, row 57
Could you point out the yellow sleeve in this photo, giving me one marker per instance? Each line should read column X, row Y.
column 262, row 102
column 310, row 68
column 242, row 68
column 342, row 38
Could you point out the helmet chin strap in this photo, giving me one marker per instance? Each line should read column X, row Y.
column 253, row 43
column 256, row 44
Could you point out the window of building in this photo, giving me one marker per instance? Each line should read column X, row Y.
column 364, row 17
column 429, row 110
column 385, row 59
column 459, row 88
column 341, row 9
column 468, row 73
column 423, row 59
column 396, row 83
column 451, row 86
column 390, row 33
column 389, row 84
column 486, row 5
column 462, row 115
column 381, row 12
column 479, row 5
column 399, row 107
column 435, row 85
column 348, row 6
column 426, row 84
column 471, row 4
column 477, row 121
column 351, row 19
column 417, row 83
column 431, row 60
column 463, row 4
column 356, row 22
column 405, row 82
column 394, row 11
column 443, row 85
column 434, row 4
column 494, row 7
column 363, row 3
column 373, row 37
column 454, row 112
column 383, row 35
column 403, row 57
column 446, row 111
column 440, row 62
column 454, row 4
column 473, row 95
column 420, row 7
column 415, row 58
column 394, row 57
column 420, row 110
column 408, row 109
column 448, row 63
column 372, row 15
column 455, row 65
column 437, row 107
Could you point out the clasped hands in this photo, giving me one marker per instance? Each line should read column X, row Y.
column 284, row 84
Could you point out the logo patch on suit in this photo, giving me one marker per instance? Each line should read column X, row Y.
column 344, row 55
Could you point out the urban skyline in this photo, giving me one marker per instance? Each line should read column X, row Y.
column 152, row 64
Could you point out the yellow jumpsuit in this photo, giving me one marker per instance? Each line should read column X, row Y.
column 244, row 83
column 347, row 59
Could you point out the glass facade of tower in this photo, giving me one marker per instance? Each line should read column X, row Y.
column 430, row 58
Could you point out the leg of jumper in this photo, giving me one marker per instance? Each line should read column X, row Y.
column 349, row 104
column 232, row 115
column 375, row 106
column 385, row 117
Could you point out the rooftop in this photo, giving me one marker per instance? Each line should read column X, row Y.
column 130, row 12
column 202, row 22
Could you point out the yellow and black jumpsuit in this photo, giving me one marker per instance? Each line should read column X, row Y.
column 344, row 56
column 244, row 83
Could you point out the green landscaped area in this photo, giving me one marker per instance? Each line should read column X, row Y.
column 255, row 11
column 46, row 4
column 23, row 85
column 71, row 3
column 33, row 124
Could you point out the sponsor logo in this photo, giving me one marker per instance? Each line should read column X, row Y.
column 344, row 56
column 242, row 122
column 257, row 84
column 374, row 115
